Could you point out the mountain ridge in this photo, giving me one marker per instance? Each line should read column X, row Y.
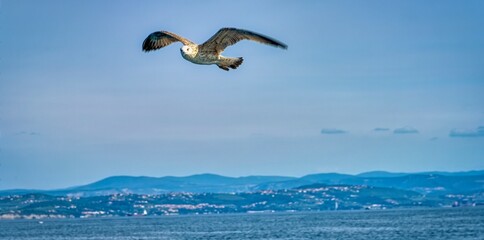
column 423, row 182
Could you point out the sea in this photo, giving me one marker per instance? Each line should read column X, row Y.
column 437, row 223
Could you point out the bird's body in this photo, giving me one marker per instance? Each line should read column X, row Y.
column 209, row 52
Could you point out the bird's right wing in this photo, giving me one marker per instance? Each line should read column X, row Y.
column 161, row 39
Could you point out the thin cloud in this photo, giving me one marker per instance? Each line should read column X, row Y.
column 405, row 130
column 28, row 133
column 332, row 131
column 478, row 132
column 380, row 129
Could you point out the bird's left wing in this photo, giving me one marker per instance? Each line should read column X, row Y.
column 161, row 39
column 229, row 36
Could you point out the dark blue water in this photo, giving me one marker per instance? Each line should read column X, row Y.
column 458, row 223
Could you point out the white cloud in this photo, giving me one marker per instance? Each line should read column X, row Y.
column 478, row 132
column 332, row 131
column 405, row 130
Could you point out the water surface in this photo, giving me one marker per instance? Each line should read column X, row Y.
column 456, row 223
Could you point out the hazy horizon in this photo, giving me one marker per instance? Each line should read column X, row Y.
column 376, row 85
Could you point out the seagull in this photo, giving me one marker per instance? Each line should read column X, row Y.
column 210, row 51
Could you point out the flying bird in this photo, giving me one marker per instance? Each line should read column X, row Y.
column 210, row 51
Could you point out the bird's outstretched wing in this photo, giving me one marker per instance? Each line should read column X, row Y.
column 229, row 36
column 161, row 39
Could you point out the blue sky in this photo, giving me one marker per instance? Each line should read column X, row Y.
column 364, row 85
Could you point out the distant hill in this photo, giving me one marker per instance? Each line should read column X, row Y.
column 437, row 183
column 152, row 185
column 377, row 174
column 327, row 177
column 195, row 183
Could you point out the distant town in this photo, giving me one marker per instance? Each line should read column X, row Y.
column 315, row 197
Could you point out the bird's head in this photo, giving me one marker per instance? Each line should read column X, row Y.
column 187, row 50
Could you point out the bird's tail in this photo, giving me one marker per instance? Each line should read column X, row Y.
column 230, row 63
